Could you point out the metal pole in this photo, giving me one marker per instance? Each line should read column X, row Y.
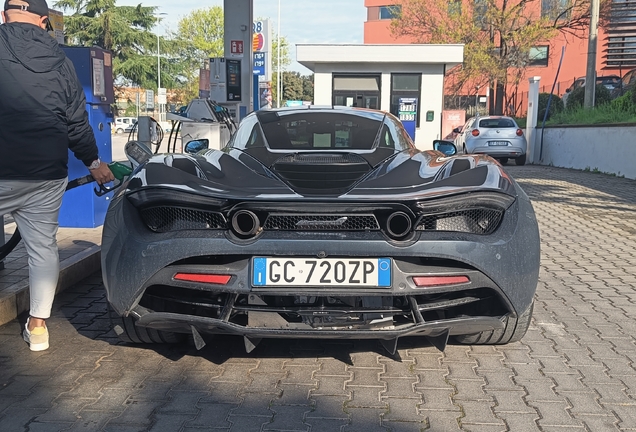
column 278, row 75
column 158, row 76
column 590, row 74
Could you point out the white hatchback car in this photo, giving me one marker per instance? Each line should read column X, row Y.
column 123, row 124
column 497, row 136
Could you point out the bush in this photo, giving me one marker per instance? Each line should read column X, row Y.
column 556, row 106
column 577, row 97
column 625, row 103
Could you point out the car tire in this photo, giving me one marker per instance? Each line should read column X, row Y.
column 119, row 130
column 127, row 331
column 521, row 160
column 503, row 161
column 514, row 329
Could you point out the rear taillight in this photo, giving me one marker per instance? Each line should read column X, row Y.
column 475, row 132
column 218, row 279
column 519, row 132
column 432, row 281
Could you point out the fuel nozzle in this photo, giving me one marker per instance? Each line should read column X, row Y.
column 119, row 170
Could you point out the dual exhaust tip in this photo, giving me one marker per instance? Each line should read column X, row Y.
column 246, row 224
column 398, row 225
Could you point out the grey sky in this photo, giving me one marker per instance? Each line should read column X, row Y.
column 302, row 21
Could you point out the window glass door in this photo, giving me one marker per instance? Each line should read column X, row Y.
column 361, row 91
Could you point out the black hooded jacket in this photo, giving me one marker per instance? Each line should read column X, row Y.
column 42, row 107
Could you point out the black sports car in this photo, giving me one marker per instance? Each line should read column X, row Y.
column 320, row 223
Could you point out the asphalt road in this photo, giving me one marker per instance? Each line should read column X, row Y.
column 574, row 371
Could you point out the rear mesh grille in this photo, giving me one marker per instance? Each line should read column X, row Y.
column 474, row 221
column 164, row 219
column 285, row 222
column 321, row 173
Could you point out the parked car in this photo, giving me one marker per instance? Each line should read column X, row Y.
column 610, row 82
column 626, row 84
column 320, row 223
column 496, row 136
column 123, row 124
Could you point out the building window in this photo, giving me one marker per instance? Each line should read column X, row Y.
column 480, row 11
column 455, row 7
column 555, row 9
column 539, row 56
column 405, row 86
column 390, row 12
column 357, row 91
column 620, row 49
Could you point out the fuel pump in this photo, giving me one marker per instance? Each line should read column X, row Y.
column 81, row 208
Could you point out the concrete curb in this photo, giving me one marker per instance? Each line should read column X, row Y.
column 14, row 300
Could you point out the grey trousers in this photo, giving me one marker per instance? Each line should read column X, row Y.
column 35, row 207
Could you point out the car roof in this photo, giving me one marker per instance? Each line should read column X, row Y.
column 493, row 117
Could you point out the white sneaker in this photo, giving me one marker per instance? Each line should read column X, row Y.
column 38, row 338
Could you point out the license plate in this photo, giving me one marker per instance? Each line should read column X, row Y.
column 497, row 143
column 310, row 272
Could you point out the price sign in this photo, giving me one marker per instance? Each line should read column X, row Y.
column 259, row 63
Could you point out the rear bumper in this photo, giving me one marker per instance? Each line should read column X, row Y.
column 182, row 324
column 503, row 151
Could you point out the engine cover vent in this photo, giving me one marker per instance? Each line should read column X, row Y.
column 321, row 173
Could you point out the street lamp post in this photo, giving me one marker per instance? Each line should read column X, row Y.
column 278, row 75
column 157, row 14
column 158, row 65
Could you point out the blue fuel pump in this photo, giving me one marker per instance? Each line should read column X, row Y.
column 81, row 208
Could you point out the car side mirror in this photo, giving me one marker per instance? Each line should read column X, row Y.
column 195, row 146
column 457, row 130
column 446, row 147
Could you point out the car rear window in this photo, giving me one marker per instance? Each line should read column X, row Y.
column 321, row 131
column 496, row 123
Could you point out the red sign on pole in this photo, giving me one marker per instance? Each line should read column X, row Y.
column 236, row 47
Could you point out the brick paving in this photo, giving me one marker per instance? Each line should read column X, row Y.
column 574, row 371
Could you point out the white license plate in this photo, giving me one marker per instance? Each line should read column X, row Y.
column 313, row 272
column 497, row 143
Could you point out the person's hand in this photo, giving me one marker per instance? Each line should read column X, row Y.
column 102, row 174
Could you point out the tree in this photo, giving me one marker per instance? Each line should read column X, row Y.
column 198, row 38
column 123, row 30
column 295, row 87
column 201, row 33
column 285, row 56
column 308, row 87
column 498, row 35
column 285, row 61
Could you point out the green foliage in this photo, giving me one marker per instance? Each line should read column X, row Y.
column 285, row 57
column 295, row 87
column 556, row 106
column 625, row 103
column 604, row 114
column 200, row 33
column 577, row 97
column 123, row 30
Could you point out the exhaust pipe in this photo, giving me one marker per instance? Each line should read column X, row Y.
column 245, row 223
column 398, row 225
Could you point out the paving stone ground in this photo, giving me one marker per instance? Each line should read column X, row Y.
column 574, row 371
